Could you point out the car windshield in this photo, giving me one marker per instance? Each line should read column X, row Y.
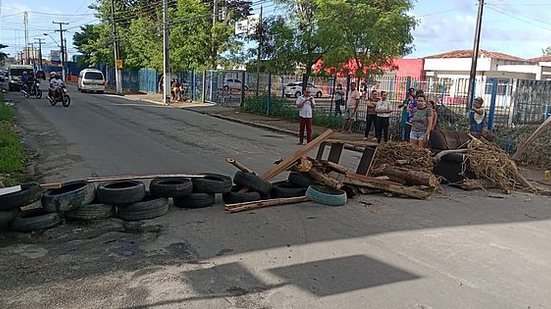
column 93, row 75
column 19, row 72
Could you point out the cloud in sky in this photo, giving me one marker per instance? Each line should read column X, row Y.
column 508, row 26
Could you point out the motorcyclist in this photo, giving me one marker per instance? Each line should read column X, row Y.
column 56, row 86
column 25, row 81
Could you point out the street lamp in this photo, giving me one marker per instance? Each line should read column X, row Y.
column 47, row 34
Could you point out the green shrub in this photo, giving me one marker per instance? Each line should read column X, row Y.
column 282, row 108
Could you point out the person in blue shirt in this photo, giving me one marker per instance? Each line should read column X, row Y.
column 477, row 118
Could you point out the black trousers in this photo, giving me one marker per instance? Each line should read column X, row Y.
column 371, row 120
column 382, row 128
column 338, row 104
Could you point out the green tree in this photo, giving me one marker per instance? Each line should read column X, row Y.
column 372, row 33
column 3, row 55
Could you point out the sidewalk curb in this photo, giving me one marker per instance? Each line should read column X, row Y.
column 245, row 122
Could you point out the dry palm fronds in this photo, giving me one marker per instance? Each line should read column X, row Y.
column 487, row 161
column 389, row 154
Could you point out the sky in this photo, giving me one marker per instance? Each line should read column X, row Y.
column 518, row 27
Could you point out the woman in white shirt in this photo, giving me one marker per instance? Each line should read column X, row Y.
column 305, row 103
column 383, row 110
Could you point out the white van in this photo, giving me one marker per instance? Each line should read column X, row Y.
column 91, row 80
column 14, row 75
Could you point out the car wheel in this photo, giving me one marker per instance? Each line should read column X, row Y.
column 226, row 88
column 319, row 94
column 297, row 94
column 246, row 88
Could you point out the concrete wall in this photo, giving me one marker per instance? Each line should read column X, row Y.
column 456, row 64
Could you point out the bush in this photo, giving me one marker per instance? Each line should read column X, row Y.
column 11, row 150
column 282, row 108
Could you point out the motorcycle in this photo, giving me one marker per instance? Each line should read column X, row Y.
column 34, row 91
column 64, row 98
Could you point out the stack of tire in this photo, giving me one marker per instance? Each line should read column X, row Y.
column 191, row 193
column 34, row 217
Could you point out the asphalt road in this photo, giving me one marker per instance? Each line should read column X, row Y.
column 456, row 250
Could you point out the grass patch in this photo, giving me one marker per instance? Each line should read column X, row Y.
column 282, row 108
column 12, row 153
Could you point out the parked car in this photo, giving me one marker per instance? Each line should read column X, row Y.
column 295, row 89
column 233, row 83
column 91, row 80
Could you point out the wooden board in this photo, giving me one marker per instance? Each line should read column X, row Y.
column 290, row 160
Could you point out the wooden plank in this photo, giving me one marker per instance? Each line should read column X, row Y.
column 522, row 149
column 233, row 208
column 8, row 190
column 321, row 150
column 290, row 160
column 366, row 160
column 335, row 153
column 139, row 177
column 240, row 166
column 384, row 185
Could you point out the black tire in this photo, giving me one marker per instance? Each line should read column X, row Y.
column 171, row 187
column 283, row 189
column 91, row 212
column 195, row 200
column 67, row 101
column 38, row 94
column 301, row 179
column 327, row 196
column 121, row 192
column 234, row 196
column 212, row 183
column 297, row 94
column 319, row 94
column 351, row 191
column 34, row 220
column 253, row 182
column 53, row 102
column 30, row 193
column 7, row 216
column 149, row 208
column 72, row 195
column 226, row 88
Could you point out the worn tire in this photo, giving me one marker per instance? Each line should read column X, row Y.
column 283, row 189
column 121, row 192
column 151, row 207
column 34, row 220
column 171, row 187
column 195, row 200
column 253, row 182
column 351, row 191
column 325, row 195
column 300, row 179
column 91, row 212
column 7, row 216
column 212, row 183
column 72, row 195
column 234, row 196
column 30, row 193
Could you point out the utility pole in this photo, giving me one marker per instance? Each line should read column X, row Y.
column 116, row 51
column 474, row 61
column 166, row 55
column 260, row 41
column 61, row 30
column 32, row 54
column 26, row 22
column 39, row 51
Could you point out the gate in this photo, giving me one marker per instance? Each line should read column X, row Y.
column 147, row 79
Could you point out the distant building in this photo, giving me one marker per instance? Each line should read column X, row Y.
column 55, row 55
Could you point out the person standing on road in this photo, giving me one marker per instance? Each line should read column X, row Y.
column 383, row 110
column 405, row 126
column 421, row 123
column 352, row 103
column 306, row 104
column 371, row 117
column 339, row 99
column 477, row 118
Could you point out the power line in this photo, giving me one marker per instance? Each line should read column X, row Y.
column 498, row 10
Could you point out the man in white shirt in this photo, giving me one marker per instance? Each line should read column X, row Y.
column 305, row 103
column 383, row 110
column 351, row 108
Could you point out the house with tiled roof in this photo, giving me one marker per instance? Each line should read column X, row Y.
column 457, row 64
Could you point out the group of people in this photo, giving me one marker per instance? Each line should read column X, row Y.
column 418, row 119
